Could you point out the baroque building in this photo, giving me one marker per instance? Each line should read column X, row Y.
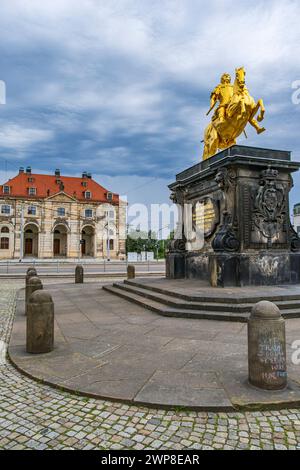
column 48, row 216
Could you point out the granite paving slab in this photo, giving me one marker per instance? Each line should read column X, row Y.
column 109, row 348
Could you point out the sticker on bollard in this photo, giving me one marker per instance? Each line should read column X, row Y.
column 267, row 347
column 79, row 273
column 40, row 323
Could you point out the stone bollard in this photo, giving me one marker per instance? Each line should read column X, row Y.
column 267, row 347
column 30, row 273
column 130, row 271
column 31, row 268
column 40, row 323
column 79, row 272
column 34, row 283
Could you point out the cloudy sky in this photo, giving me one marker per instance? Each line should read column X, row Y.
column 120, row 87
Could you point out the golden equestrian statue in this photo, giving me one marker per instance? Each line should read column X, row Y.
column 236, row 108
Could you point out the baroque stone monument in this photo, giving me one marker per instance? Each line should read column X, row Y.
column 240, row 198
column 234, row 226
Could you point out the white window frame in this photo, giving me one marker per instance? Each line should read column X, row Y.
column 32, row 191
column 88, row 216
column 110, row 214
column 62, row 209
column 86, row 193
column 30, row 208
column 2, row 209
column 5, row 187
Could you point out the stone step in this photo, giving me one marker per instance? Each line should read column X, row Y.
column 243, row 307
column 175, row 312
column 162, row 309
column 183, row 304
column 217, row 298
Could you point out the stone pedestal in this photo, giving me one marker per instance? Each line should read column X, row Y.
column 40, row 323
column 130, row 271
column 236, row 228
column 267, row 347
column 79, row 274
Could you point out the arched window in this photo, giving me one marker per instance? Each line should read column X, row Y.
column 5, row 230
column 4, row 243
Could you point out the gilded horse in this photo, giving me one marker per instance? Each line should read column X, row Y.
column 241, row 110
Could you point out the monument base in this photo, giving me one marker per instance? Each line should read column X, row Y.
column 236, row 269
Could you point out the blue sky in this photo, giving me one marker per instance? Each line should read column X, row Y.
column 121, row 88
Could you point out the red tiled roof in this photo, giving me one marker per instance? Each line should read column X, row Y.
column 48, row 185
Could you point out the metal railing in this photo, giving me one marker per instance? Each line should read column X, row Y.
column 61, row 266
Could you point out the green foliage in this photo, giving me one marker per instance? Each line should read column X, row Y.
column 143, row 241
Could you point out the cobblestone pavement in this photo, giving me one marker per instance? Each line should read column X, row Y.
column 35, row 416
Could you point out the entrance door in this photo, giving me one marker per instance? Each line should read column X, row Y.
column 83, row 247
column 56, row 247
column 28, row 246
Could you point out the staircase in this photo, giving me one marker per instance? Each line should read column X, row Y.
column 173, row 304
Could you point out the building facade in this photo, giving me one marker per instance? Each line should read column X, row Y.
column 55, row 216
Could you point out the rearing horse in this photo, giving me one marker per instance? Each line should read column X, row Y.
column 240, row 111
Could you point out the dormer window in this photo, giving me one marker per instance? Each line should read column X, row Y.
column 84, row 184
column 88, row 195
column 32, row 191
column 109, row 196
column 30, row 180
column 6, row 189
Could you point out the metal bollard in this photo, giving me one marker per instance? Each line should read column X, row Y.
column 130, row 271
column 79, row 274
column 267, row 347
column 34, row 283
column 40, row 323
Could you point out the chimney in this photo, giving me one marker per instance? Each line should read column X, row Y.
column 28, row 170
column 57, row 172
column 84, row 174
column 21, row 169
column 89, row 175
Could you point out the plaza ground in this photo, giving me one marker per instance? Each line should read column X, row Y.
column 36, row 416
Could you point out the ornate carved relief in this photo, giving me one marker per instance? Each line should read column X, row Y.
column 269, row 205
column 225, row 178
column 226, row 238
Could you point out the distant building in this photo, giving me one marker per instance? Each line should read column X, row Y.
column 47, row 216
column 296, row 214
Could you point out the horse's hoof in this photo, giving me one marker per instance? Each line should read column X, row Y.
column 260, row 131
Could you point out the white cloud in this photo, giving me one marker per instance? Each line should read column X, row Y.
column 15, row 137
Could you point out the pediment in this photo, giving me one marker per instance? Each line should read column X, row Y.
column 61, row 197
